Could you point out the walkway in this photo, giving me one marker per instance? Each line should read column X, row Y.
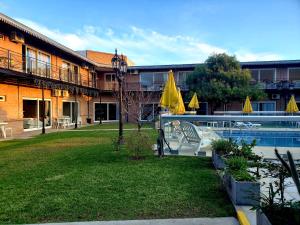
column 189, row 221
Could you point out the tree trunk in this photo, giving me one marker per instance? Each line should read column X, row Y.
column 139, row 124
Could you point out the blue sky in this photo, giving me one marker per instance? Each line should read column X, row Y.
column 168, row 31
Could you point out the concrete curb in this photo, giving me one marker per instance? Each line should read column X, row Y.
column 242, row 218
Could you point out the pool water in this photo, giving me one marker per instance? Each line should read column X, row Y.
column 264, row 138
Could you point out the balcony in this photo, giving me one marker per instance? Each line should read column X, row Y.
column 160, row 87
column 17, row 62
column 282, row 85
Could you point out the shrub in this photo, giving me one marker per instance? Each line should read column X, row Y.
column 115, row 143
column 245, row 150
column 223, row 146
column 236, row 163
column 138, row 144
column 242, row 175
column 237, row 167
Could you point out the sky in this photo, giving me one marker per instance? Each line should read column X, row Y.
column 168, row 31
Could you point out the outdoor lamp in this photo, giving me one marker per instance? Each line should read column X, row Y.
column 123, row 65
column 119, row 65
column 116, row 62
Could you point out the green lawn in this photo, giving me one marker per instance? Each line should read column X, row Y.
column 76, row 176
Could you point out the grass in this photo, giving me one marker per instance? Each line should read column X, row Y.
column 76, row 176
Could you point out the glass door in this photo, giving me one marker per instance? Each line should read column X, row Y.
column 31, row 62
column 71, row 110
column 47, row 113
column 33, row 116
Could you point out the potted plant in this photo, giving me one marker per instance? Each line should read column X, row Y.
column 221, row 148
column 274, row 209
column 241, row 186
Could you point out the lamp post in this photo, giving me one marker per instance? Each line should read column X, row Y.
column 119, row 66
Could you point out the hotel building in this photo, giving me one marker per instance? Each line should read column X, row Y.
column 81, row 85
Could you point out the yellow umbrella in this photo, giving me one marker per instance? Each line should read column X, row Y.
column 169, row 98
column 247, row 107
column 180, row 109
column 292, row 106
column 194, row 104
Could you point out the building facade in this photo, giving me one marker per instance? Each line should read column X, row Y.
column 41, row 78
column 38, row 73
column 279, row 79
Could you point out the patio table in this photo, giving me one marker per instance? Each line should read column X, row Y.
column 2, row 128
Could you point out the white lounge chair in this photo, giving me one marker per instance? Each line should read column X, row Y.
column 192, row 135
column 247, row 125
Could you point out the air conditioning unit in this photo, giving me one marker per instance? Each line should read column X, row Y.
column 65, row 93
column 17, row 37
column 276, row 96
column 56, row 93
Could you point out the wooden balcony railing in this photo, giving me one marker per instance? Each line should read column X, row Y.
column 14, row 61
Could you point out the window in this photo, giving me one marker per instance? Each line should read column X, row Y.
column 31, row 61
column 43, row 64
column 160, row 78
column 38, row 62
column 75, row 74
column 254, row 75
column 181, row 77
column 146, row 80
column 110, row 77
column 65, row 71
column 94, row 79
column 71, row 109
column 267, row 75
column 149, row 111
column 294, row 74
column 33, row 114
column 105, row 111
column 263, row 106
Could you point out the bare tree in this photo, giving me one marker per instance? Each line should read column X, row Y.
column 135, row 102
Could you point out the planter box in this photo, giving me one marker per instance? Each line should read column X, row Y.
column 261, row 218
column 218, row 161
column 242, row 192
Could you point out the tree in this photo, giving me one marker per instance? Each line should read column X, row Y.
column 221, row 80
column 135, row 102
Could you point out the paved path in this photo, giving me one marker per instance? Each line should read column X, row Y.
column 190, row 221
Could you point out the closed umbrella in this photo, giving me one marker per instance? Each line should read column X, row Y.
column 194, row 104
column 292, row 106
column 169, row 98
column 180, row 109
column 247, row 106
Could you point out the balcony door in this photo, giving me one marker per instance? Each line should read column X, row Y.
column 105, row 111
column 43, row 64
column 33, row 114
column 31, row 59
column 71, row 110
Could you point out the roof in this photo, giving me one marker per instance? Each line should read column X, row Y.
column 192, row 66
column 167, row 67
column 102, row 57
column 30, row 31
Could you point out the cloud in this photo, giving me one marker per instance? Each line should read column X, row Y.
column 142, row 46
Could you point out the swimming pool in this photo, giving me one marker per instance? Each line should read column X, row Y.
column 264, row 138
